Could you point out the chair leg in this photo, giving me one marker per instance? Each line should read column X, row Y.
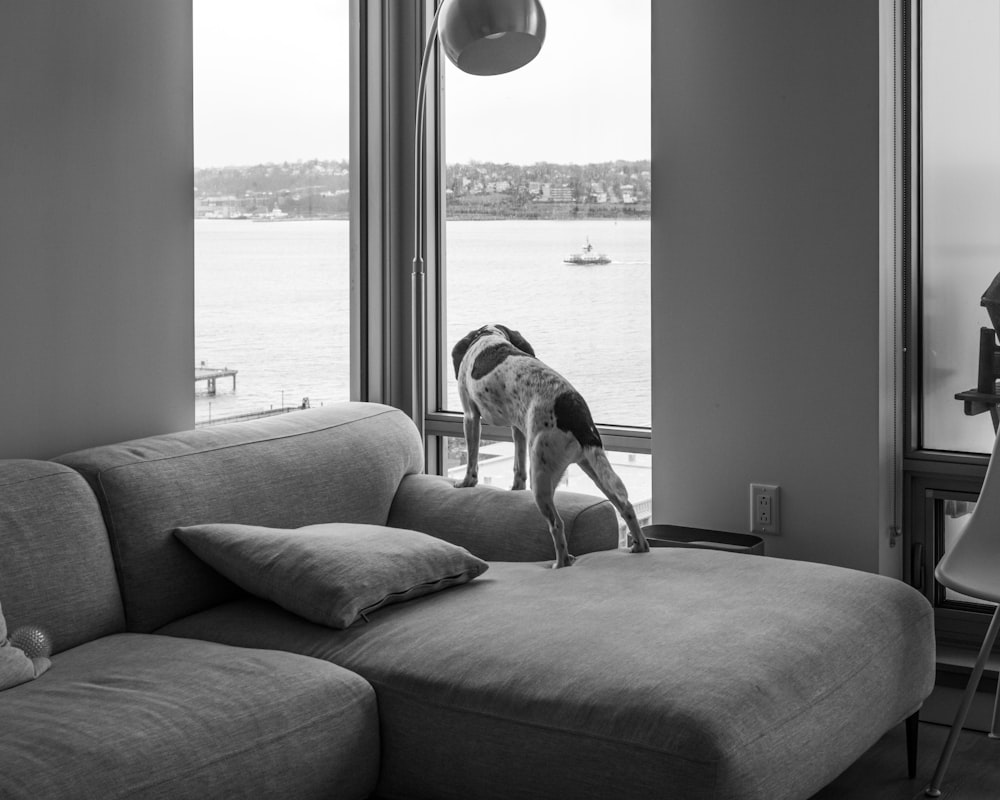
column 934, row 789
column 912, row 734
column 994, row 731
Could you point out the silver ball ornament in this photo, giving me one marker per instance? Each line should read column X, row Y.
column 35, row 642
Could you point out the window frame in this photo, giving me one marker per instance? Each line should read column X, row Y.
column 441, row 423
column 919, row 459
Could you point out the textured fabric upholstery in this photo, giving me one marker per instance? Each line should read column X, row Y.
column 56, row 570
column 500, row 525
column 681, row 673
column 340, row 463
column 132, row 715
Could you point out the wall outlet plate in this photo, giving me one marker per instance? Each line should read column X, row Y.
column 764, row 509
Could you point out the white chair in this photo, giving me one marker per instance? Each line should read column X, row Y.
column 972, row 566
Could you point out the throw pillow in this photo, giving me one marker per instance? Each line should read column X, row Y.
column 335, row 573
column 15, row 666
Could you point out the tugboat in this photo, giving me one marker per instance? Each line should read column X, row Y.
column 587, row 256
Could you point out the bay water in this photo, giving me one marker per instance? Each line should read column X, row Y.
column 272, row 301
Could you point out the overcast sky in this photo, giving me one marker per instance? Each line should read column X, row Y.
column 271, row 85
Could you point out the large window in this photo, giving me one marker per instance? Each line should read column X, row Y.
column 547, row 166
column 272, row 121
column 954, row 155
column 960, row 179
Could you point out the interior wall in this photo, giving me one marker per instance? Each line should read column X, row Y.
column 766, row 273
column 96, row 230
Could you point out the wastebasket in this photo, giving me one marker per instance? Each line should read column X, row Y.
column 701, row 538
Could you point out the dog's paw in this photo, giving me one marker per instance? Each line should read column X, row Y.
column 639, row 546
column 466, row 483
column 569, row 562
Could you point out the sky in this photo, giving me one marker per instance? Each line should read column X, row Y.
column 273, row 87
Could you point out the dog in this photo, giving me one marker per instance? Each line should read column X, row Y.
column 501, row 382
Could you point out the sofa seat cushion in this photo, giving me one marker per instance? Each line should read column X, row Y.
column 134, row 715
column 694, row 673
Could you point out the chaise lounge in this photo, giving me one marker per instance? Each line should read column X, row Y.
column 187, row 663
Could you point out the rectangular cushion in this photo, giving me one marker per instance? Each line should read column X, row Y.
column 501, row 525
column 56, row 570
column 682, row 673
column 339, row 463
column 133, row 715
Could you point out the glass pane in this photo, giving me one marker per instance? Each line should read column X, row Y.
column 956, row 515
column 960, row 210
column 272, row 113
column 496, row 468
column 547, row 163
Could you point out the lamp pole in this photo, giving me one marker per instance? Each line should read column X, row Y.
column 419, row 274
column 481, row 37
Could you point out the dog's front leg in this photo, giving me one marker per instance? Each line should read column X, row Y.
column 520, row 466
column 471, row 424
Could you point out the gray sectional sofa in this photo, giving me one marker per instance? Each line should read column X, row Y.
column 677, row 673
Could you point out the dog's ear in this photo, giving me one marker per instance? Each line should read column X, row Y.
column 461, row 348
column 518, row 340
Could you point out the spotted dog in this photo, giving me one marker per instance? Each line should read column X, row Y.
column 501, row 382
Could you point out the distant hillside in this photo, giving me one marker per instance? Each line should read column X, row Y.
column 274, row 179
column 478, row 190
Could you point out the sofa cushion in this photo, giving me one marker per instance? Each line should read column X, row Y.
column 712, row 674
column 338, row 463
column 56, row 569
column 133, row 715
column 499, row 525
column 333, row 574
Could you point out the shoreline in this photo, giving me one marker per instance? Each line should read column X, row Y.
column 471, row 217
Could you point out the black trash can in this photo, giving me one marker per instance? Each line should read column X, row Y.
column 678, row 536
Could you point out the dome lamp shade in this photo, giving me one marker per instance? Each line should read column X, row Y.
column 491, row 37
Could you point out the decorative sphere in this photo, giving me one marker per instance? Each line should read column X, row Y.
column 35, row 642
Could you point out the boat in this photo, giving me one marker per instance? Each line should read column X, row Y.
column 587, row 256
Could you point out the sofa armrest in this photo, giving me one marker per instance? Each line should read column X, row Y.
column 500, row 525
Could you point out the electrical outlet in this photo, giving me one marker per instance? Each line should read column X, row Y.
column 764, row 516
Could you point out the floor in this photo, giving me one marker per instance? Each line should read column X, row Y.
column 880, row 774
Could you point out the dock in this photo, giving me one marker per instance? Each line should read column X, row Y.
column 212, row 374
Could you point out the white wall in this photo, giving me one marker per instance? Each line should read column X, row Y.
column 766, row 277
column 96, row 231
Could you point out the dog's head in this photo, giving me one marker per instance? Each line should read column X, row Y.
column 461, row 348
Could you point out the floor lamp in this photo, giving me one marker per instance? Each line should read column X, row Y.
column 481, row 37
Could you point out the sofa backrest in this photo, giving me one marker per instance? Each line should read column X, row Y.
column 339, row 463
column 56, row 570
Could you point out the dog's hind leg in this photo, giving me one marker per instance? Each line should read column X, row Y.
column 543, row 487
column 594, row 462
column 520, row 462
column 471, row 424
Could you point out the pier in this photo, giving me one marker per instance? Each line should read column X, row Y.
column 212, row 374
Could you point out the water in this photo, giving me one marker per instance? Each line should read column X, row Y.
column 272, row 301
